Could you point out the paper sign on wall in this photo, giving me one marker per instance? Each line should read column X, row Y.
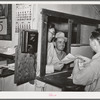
column 24, row 17
column 3, row 26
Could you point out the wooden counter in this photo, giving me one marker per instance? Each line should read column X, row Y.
column 62, row 81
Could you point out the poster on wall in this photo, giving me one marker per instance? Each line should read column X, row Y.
column 3, row 26
column 5, row 21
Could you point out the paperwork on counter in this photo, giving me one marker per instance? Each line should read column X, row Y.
column 68, row 59
column 9, row 51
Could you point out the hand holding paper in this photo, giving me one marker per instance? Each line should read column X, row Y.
column 83, row 59
column 58, row 66
column 68, row 58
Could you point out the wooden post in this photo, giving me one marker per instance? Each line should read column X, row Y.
column 44, row 46
column 69, row 35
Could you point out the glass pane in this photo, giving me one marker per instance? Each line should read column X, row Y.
column 74, row 34
column 85, row 33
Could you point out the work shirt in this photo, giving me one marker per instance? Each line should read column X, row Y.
column 50, row 52
column 52, row 56
column 90, row 75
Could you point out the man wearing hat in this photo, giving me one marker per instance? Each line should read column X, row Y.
column 57, row 54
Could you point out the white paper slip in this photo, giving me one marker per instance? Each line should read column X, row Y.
column 11, row 66
column 70, row 77
column 68, row 59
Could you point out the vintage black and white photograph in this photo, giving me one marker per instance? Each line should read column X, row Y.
column 50, row 47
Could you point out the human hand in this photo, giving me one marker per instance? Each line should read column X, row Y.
column 49, row 68
column 83, row 59
column 79, row 63
column 58, row 66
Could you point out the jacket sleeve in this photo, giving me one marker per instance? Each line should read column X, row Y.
column 87, row 75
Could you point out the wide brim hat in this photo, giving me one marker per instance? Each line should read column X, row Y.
column 61, row 35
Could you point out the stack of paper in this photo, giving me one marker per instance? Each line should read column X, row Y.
column 11, row 66
column 10, row 51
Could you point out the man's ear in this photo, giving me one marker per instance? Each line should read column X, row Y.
column 96, row 42
column 54, row 44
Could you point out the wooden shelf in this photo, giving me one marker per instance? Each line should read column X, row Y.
column 7, row 56
column 61, row 80
column 6, row 72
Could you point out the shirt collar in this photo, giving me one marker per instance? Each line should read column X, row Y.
column 96, row 55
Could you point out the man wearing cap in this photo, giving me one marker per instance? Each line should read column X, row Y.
column 57, row 54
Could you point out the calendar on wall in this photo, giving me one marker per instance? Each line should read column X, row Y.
column 24, row 17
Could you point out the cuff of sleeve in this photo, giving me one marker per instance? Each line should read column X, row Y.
column 49, row 68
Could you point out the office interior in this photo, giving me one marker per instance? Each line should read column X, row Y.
column 77, row 21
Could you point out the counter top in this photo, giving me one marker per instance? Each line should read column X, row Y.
column 62, row 81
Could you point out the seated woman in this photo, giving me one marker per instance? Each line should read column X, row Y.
column 87, row 71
